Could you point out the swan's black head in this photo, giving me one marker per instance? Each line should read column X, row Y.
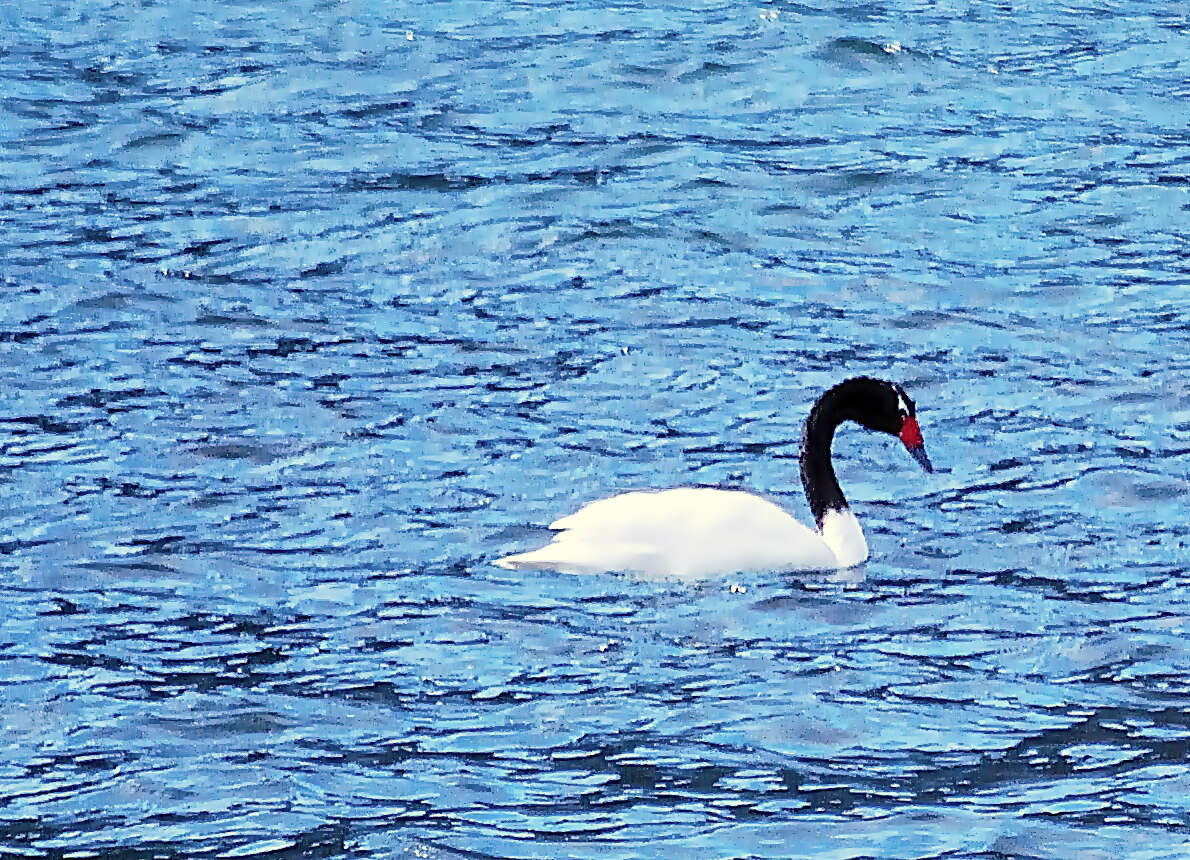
column 874, row 403
column 878, row 405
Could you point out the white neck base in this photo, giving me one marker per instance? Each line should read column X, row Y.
column 842, row 533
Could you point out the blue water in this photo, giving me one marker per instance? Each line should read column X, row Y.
column 311, row 310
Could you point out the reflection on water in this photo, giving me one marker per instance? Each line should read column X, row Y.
column 310, row 313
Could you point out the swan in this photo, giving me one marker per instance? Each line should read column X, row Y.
column 694, row 532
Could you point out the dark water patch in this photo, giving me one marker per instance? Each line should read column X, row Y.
column 708, row 70
column 368, row 111
column 111, row 400
column 42, row 423
column 257, row 452
column 164, row 138
column 415, row 182
column 220, row 320
column 205, row 247
column 849, row 49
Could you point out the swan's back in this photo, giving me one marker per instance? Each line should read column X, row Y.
column 684, row 532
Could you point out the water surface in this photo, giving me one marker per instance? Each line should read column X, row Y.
column 313, row 309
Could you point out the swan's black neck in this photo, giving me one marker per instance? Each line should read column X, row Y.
column 818, row 475
column 853, row 400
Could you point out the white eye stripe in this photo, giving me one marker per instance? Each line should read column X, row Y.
column 902, row 405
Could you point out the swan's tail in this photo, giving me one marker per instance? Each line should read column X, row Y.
column 564, row 558
column 546, row 558
column 512, row 562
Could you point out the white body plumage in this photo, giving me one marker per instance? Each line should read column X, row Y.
column 693, row 532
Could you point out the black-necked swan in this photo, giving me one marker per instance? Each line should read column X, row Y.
column 702, row 531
